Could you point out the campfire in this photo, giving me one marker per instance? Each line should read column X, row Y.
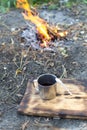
column 45, row 32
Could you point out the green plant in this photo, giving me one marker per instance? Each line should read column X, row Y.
column 53, row 6
column 84, row 1
column 71, row 2
column 5, row 5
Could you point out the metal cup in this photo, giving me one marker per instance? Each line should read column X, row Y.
column 46, row 86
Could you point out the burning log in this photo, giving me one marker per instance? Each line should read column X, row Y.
column 57, row 32
column 45, row 32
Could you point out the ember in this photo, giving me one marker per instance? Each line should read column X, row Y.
column 44, row 31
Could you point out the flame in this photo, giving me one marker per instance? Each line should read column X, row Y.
column 40, row 23
column 62, row 34
column 42, row 26
column 44, row 44
column 23, row 4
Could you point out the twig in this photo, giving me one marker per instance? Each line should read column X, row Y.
column 1, row 113
column 39, row 63
column 21, row 61
column 33, row 28
column 18, row 88
column 64, row 74
column 3, row 24
column 42, row 125
column 24, row 125
column 63, row 85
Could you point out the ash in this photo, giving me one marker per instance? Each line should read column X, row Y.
column 31, row 37
column 29, row 34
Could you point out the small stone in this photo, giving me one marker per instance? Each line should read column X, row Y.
column 85, row 44
column 51, row 64
column 77, row 20
column 3, row 43
column 82, row 32
column 13, row 29
column 75, row 38
column 85, row 40
column 5, row 68
column 85, row 36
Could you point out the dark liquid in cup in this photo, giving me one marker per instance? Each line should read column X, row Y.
column 46, row 84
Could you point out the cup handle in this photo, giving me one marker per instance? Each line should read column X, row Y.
column 35, row 84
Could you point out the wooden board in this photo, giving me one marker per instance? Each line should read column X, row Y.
column 64, row 105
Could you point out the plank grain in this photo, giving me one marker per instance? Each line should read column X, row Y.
column 63, row 106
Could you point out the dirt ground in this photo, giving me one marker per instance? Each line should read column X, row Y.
column 20, row 62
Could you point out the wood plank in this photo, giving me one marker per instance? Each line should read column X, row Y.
column 64, row 105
